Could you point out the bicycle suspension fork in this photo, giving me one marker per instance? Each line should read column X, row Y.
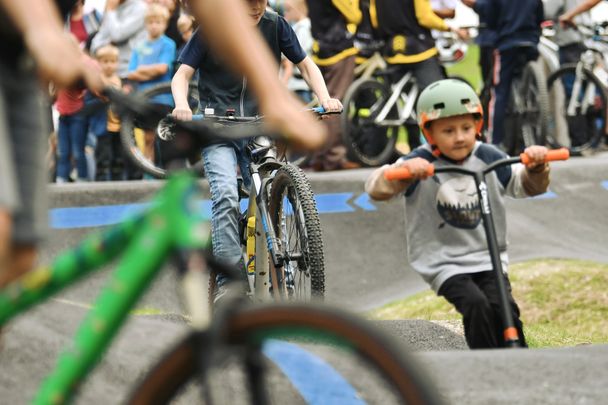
column 511, row 335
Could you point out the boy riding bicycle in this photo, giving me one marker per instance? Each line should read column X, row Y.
column 446, row 243
column 219, row 91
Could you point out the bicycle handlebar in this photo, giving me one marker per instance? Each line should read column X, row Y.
column 403, row 173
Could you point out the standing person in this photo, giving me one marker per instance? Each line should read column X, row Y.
column 517, row 26
column 109, row 154
column 152, row 64
column 405, row 27
column 71, row 132
column 570, row 41
column 220, row 90
column 334, row 52
column 296, row 13
column 485, row 40
column 33, row 46
column 122, row 25
column 446, row 241
column 567, row 19
column 83, row 25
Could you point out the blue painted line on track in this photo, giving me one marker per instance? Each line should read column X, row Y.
column 545, row 196
column 605, row 184
column 315, row 379
column 102, row 215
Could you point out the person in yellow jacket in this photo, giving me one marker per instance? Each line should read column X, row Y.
column 334, row 53
column 405, row 26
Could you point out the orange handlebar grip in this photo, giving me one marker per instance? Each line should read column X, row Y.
column 556, row 154
column 402, row 173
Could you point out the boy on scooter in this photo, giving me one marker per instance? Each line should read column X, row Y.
column 446, row 241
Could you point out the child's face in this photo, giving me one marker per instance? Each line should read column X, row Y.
column 256, row 9
column 155, row 26
column 108, row 64
column 455, row 136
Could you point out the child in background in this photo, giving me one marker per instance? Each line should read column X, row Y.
column 446, row 243
column 185, row 25
column 152, row 63
column 109, row 150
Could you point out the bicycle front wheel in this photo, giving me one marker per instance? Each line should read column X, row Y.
column 313, row 355
column 296, row 224
column 370, row 144
column 140, row 140
column 579, row 119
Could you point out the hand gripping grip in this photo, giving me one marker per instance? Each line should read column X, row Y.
column 556, row 154
column 403, row 173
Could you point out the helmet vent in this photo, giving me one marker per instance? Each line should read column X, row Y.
column 439, row 106
column 465, row 101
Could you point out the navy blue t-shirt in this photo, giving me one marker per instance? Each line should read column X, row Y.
column 218, row 87
column 195, row 50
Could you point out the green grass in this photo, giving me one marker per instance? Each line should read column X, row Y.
column 563, row 303
column 468, row 68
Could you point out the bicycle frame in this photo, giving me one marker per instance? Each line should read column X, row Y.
column 368, row 67
column 407, row 111
column 174, row 223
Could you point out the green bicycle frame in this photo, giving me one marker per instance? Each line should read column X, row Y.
column 174, row 222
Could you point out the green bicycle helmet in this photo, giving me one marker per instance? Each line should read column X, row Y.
column 447, row 98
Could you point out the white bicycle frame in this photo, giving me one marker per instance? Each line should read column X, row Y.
column 407, row 100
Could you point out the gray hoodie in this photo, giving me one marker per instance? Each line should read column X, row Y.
column 124, row 28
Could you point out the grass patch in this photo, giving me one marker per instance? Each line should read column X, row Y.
column 468, row 68
column 563, row 303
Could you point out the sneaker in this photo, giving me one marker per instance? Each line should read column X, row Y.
column 220, row 294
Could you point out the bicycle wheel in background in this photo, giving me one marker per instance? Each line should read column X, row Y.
column 313, row 355
column 131, row 130
column 531, row 110
column 582, row 105
column 368, row 143
column 295, row 219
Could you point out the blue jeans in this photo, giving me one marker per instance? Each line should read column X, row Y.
column 221, row 162
column 72, row 136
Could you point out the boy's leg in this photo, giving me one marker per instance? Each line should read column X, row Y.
column 505, row 63
column 220, row 163
column 103, row 157
column 477, row 313
column 64, row 146
column 78, row 134
column 487, row 283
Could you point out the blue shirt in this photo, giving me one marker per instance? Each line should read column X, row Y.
column 161, row 50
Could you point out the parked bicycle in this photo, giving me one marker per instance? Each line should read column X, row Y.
column 579, row 122
column 376, row 106
column 510, row 331
column 174, row 227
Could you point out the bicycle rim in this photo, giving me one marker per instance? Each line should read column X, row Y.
column 582, row 128
column 371, row 366
column 131, row 135
column 296, row 223
column 367, row 142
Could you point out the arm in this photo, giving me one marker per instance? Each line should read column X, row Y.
column 287, row 70
column 57, row 56
column 312, row 75
column 349, row 9
column 148, row 72
column 179, row 89
column 535, row 177
column 381, row 189
column 427, row 18
column 566, row 18
column 231, row 35
column 444, row 13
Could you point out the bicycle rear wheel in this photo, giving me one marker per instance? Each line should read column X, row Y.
column 296, row 224
column 131, row 129
column 530, row 110
column 580, row 117
column 368, row 143
column 370, row 366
